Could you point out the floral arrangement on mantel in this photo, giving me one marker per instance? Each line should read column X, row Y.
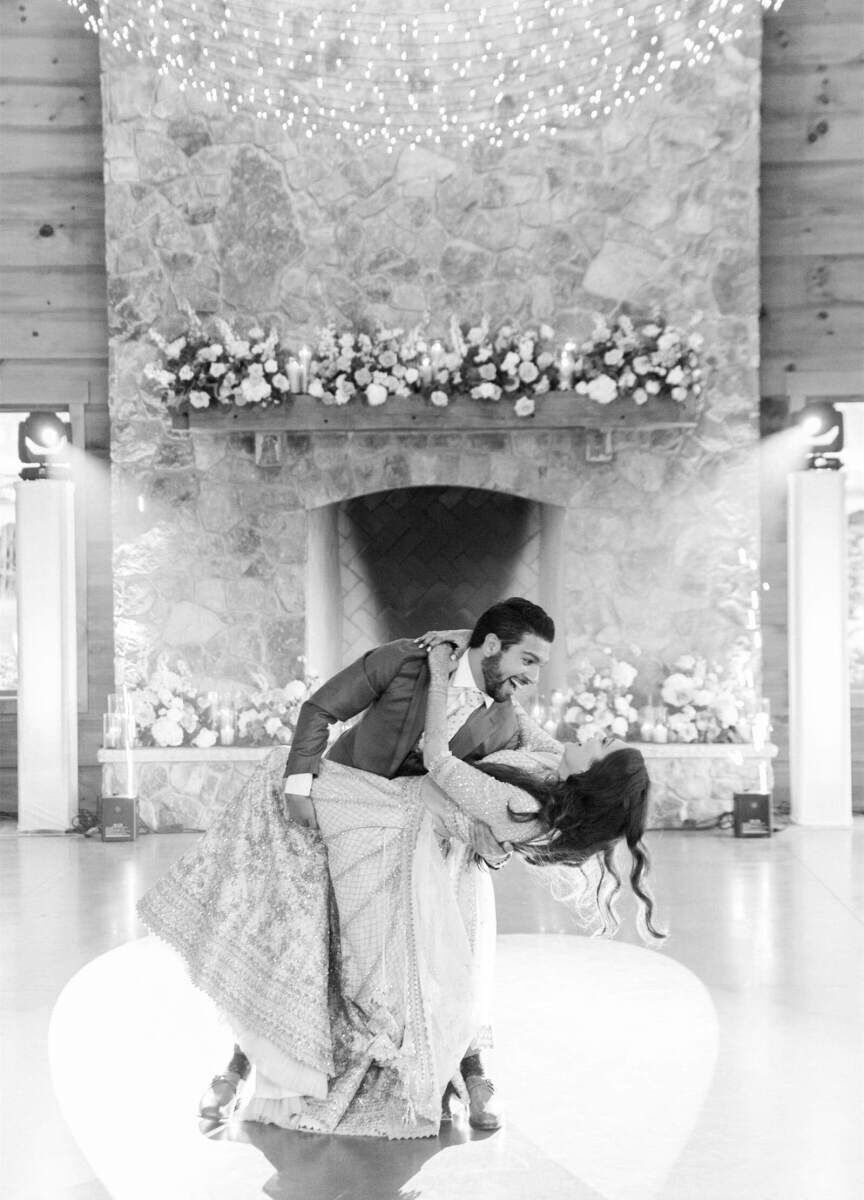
column 171, row 710
column 698, row 702
column 623, row 359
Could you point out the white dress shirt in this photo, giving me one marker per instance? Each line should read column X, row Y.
column 463, row 698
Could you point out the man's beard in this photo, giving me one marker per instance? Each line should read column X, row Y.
column 494, row 682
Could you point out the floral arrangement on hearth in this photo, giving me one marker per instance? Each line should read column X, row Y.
column 705, row 702
column 600, row 700
column 623, row 359
column 171, row 710
column 698, row 702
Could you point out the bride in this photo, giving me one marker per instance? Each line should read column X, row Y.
column 354, row 962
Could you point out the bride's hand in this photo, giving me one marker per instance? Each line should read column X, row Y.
column 458, row 639
column 440, row 661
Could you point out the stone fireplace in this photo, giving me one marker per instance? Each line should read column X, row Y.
column 392, row 564
column 244, row 554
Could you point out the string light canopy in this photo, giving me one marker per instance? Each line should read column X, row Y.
column 428, row 71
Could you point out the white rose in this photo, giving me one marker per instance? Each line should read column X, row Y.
column 603, row 389
column 510, row 363
column 587, row 731
column 528, row 372
column 411, row 375
column 652, row 387
column 376, row 394
column 613, row 357
column 727, row 713
column 440, row 399
column 650, row 330
column 476, row 335
column 623, row 674
column 186, row 372
column 315, row 388
column 270, row 365
column 547, row 333
column 255, row 390
column 173, row 349
column 363, row 377
column 272, row 726
column 582, row 387
column 526, row 349
column 676, row 375
column 281, row 383
column 677, row 690
column 218, row 369
column 640, row 396
column 641, row 364
column 199, row 399
column 587, row 700
column 545, row 360
column 524, row 406
column 679, row 393
column 452, row 361
column 166, row 732
column 204, row 738
column 488, row 371
column 619, row 726
column 667, row 341
column 387, row 359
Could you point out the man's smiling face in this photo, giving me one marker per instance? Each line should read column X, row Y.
column 518, row 666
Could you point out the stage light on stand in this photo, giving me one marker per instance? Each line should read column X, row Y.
column 43, row 443
column 822, row 425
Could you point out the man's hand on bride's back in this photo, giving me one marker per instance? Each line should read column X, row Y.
column 300, row 809
column 457, row 639
column 484, row 843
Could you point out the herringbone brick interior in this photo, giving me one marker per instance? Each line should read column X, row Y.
column 431, row 558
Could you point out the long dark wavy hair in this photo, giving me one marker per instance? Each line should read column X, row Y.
column 587, row 815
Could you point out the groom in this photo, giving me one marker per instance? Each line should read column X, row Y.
column 505, row 651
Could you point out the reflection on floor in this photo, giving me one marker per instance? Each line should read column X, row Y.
column 606, row 1050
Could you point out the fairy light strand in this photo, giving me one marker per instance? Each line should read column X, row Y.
column 497, row 74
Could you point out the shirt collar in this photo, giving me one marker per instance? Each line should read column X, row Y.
column 463, row 677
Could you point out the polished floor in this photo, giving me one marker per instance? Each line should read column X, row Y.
column 729, row 1066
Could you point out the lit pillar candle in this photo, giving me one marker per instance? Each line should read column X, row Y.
column 294, row 375
column 305, row 360
column 567, row 367
column 426, row 370
column 226, row 727
column 436, row 352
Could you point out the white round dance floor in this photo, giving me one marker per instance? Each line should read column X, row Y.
column 604, row 1055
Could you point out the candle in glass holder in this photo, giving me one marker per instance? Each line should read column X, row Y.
column 567, row 367
column 646, row 730
column 226, row 727
column 305, row 361
column 426, row 370
column 294, row 375
column 661, row 733
column 111, row 730
column 436, row 352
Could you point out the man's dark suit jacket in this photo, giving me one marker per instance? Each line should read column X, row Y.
column 391, row 683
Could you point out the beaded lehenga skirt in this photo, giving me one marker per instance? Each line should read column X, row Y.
column 353, row 963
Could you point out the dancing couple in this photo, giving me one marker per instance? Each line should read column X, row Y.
column 339, row 912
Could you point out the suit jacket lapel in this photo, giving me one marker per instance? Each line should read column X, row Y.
column 485, row 731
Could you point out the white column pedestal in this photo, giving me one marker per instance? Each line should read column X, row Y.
column 47, row 680
column 819, row 734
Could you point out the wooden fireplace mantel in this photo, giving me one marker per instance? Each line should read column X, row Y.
column 555, row 410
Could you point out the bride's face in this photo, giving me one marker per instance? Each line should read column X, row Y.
column 577, row 759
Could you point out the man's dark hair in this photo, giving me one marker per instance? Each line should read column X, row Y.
column 510, row 620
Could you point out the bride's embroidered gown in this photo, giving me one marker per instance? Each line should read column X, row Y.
column 354, row 964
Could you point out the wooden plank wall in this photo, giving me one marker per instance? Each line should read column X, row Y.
column 53, row 323
column 812, row 269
